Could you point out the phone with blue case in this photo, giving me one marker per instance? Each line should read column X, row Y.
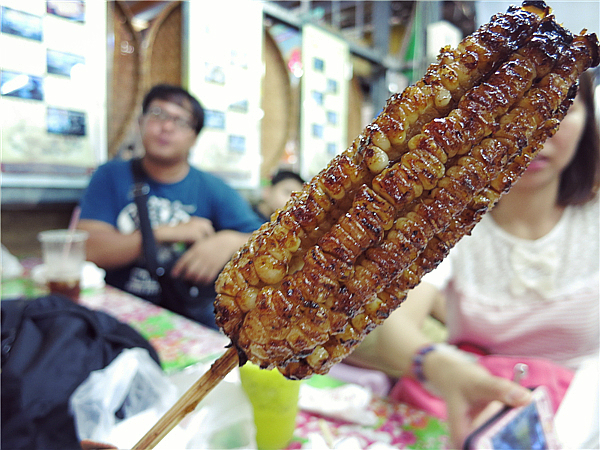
column 524, row 427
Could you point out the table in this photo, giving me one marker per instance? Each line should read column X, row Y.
column 178, row 341
column 398, row 425
column 181, row 343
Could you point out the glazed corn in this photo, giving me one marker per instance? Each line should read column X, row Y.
column 339, row 258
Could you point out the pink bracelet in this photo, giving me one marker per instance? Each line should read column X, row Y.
column 419, row 357
column 417, row 362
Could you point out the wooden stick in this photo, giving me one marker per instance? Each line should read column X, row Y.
column 188, row 401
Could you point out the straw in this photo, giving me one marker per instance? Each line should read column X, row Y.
column 74, row 219
column 72, row 227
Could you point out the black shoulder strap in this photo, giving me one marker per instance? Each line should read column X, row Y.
column 139, row 174
column 140, row 195
column 169, row 298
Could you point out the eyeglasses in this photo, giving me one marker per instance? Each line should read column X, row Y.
column 156, row 113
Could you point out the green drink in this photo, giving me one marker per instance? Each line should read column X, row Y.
column 274, row 400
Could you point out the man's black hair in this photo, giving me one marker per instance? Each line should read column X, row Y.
column 179, row 96
column 284, row 175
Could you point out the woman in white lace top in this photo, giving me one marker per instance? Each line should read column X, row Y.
column 525, row 283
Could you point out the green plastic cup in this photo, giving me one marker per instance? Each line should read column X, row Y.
column 274, row 400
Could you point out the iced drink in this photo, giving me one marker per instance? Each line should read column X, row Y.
column 64, row 255
column 274, row 401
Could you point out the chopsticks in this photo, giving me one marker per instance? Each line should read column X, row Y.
column 189, row 400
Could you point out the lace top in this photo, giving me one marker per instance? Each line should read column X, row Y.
column 523, row 297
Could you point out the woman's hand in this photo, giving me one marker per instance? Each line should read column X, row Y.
column 471, row 393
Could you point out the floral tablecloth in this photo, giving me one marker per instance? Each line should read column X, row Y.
column 181, row 343
column 178, row 341
column 398, row 426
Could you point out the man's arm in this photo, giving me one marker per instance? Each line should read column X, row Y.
column 206, row 258
column 234, row 221
column 107, row 247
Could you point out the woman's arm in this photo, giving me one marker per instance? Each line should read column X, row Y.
column 471, row 393
column 401, row 335
column 467, row 387
column 380, row 349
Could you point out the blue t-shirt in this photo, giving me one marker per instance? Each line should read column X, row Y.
column 109, row 199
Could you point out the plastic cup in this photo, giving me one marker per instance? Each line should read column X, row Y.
column 64, row 255
column 274, row 400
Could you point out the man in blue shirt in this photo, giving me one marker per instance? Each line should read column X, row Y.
column 191, row 212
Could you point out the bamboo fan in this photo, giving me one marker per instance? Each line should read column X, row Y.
column 126, row 92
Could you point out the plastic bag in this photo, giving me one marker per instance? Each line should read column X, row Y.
column 119, row 404
column 133, row 385
column 223, row 419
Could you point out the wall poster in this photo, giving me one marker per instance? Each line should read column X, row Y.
column 225, row 73
column 324, row 99
column 52, row 92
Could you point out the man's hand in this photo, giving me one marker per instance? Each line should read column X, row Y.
column 190, row 232
column 205, row 259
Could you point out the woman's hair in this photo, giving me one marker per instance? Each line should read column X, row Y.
column 579, row 180
column 179, row 96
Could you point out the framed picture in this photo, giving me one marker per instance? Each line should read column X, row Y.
column 332, row 86
column 317, row 97
column 214, row 74
column 324, row 98
column 239, row 106
column 317, row 130
column 332, row 118
column 21, row 85
column 237, row 144
column 73, row 9
column 318, row 65
column 239, row 58
column 332, row 149
column 21, row 24
column 60, row 63
column 214, row 119
column 65, row 122
column 226, row 75
column 54, row 132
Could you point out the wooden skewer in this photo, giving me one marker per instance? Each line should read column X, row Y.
column 188, row 401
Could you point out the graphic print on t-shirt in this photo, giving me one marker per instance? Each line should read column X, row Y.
column 161, row 211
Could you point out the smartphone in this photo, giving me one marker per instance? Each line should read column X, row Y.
column 525, row 427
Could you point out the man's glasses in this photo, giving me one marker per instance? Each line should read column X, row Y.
column 161, row 116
